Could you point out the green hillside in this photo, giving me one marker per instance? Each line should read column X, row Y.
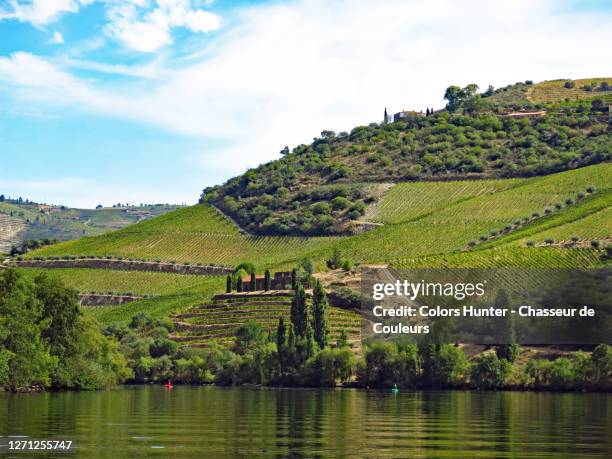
column 319, row 189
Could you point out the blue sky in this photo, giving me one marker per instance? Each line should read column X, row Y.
column 105, row 101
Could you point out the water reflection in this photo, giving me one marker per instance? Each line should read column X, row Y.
column 195, row 422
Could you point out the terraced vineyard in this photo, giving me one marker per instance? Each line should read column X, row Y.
column 595, row 226
column 218, row 320
column 408, row 201
column 554, row 91
column 510, row 256
column 122, row 282
column 194, row 234
column 159, row 307
column 10, row 228
column 452, row 227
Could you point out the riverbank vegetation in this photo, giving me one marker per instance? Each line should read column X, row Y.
column 299, row 352
column 46, row 342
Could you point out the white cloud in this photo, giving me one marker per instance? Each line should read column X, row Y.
column 57, row 38
column 139, row 28
column 153, row 70
column 284, row 72
column 40, row 12
column 141, row 25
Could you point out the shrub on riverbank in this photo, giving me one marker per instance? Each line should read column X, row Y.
column 46, row 342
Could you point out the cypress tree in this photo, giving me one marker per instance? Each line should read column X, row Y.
column 311, row 344
column 290, row 357
column 294, row 281
column 239, row 284
column 320, row 323
column 281, row 343
column 228, row 284
column 267, row 280
column 253, row 281
column 299, row 314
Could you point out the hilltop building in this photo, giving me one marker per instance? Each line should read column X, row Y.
column 405, row 114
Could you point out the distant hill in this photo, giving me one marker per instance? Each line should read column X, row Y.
column 323, row 187
column 24, row 220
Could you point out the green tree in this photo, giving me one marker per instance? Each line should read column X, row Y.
column 95, row 361
column 294, row 279
column 381, row 365
column 489, row 372
column 61, row 312
column 602, row 363
column 239, row 284
column 267, row 280
column 299, row 313
column 246, row 266
column 248, row 335
column 443, row 365
column 308, row 266
column 320, row 320
column 330, row 366
column 253, row 282
column 453, row 97
column 336, row 259
column 228, row 284
column 457, row 97
column 24, row 354
column 281, row 344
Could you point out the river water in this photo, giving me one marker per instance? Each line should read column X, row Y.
column 215, row 422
